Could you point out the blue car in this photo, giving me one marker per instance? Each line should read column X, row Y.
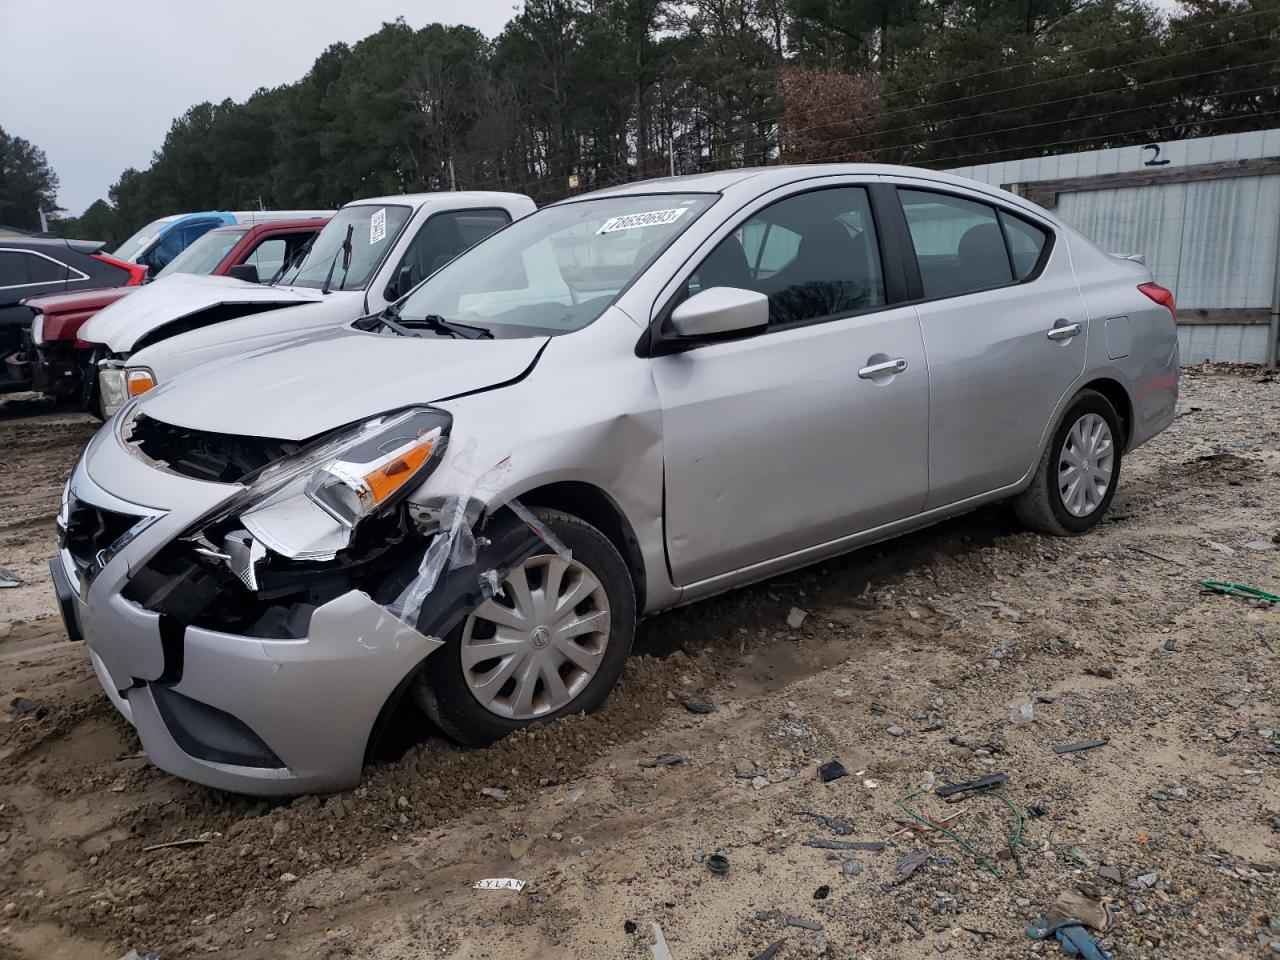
column 161, row 240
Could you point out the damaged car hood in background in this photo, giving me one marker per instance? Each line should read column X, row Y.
column 122, row 324
column 298, row 390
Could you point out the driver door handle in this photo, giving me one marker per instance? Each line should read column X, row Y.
column 1063, row 331
column 881, row 369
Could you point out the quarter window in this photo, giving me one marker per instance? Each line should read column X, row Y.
column 958, row 243
column 21, row 268
column 1026, row 243
column 813, row 255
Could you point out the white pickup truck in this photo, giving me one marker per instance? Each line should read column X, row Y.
column 369, row 255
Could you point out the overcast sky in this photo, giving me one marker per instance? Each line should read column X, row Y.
column 96, row 83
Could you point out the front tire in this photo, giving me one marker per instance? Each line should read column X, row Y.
column 1078, row 472
column 553, row 642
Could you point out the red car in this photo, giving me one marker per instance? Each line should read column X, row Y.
column 65, row 366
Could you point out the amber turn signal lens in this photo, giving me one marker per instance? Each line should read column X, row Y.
column 389, row 477
column 139, row 381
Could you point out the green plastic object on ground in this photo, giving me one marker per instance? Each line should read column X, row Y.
column 1239, row 590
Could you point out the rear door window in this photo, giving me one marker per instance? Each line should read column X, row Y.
column 13, row 268
column 959, row 243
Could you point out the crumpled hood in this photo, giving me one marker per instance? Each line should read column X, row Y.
column 122, row 324
column 298, row 390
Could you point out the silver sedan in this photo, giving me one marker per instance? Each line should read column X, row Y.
column 620, row 403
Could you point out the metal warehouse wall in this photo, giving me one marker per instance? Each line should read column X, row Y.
column 1205, row 212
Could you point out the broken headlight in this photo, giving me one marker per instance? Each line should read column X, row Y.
column 305, row 507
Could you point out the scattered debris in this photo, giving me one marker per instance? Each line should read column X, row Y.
column 1105, row 672
column 659, row 950
column 1021, row 712
column 832, row 770
column 822, row 892
column 1220, row 547
column 1003, row 609
column 190, row 842
column 1245, row 592
column 820, row 843
column 803, row 924
column 984, row 934
column 718, row 864
column 768, row 952
column 9, row 579
column 796, row 617
column 982, row 783
column 698, row 703
column 1072, row 905
column 135, row 955
column 839, row 827
column 1110, row 873
column 1071, row 935
column 28, row 709
column 666, row 760
column 495, row 793
column 1061, row 748
column 907, row 866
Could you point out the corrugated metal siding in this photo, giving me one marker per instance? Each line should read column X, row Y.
column 1223, row 342
column 1213, row 242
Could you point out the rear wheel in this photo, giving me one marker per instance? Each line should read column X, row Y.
column 1079, row 471
column 551, row 642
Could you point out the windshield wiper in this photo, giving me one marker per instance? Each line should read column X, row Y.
column 412, row 327
column 464, row 330
column 345, row 249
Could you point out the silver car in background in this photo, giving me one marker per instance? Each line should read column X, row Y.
column 618, row 404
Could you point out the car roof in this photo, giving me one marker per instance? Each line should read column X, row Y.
column 273, row 225
column 418, row 199
column 51, row 243
column 780, row 175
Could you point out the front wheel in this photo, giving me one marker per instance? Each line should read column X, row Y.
column 552, row 641
column 1079, row 471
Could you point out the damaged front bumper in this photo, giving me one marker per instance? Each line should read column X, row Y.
column 251, row 714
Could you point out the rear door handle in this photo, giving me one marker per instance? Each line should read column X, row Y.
column 881, row 369
column 1063, row 331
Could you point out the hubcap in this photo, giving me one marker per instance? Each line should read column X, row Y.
column 533, row 648
column 1085, row 465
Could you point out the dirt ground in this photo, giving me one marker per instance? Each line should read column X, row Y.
column 909, row 667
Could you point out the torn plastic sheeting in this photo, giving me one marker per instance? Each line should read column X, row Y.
column 538, row 527
column 455, row 548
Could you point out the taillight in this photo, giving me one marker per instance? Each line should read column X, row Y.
column 136, row 273
column 1161, row 295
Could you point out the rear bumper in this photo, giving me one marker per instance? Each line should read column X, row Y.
column 246, row 714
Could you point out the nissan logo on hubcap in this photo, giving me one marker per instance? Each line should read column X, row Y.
column 541, row 637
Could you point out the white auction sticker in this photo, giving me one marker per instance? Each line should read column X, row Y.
column 633, row 220
column 499, row 883
column 378, row 226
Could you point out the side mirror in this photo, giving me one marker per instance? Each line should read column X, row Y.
column 401, row 285
column 720, row 310
column 247, row 272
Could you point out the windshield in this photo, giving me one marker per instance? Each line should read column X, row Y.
column 374, row 231
column 130, row 249
column 205, row 254
column 558, row 269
